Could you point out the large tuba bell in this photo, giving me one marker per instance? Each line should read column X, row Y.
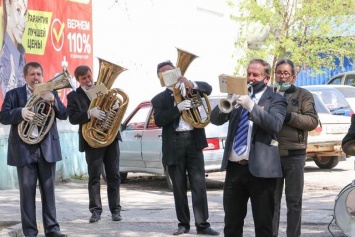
column 33, row 131
column 199, row 114
column 101, row 133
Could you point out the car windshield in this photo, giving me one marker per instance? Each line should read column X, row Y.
column 320, row 106
column 348, row 92
column 331, row 97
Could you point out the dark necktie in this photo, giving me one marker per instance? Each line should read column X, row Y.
column 241, row 135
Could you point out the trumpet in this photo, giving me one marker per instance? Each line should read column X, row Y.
column 226, row 105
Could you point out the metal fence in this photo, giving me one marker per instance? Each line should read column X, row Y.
column 309, row 77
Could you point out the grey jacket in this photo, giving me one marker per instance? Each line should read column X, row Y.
column 301, row 117
column 267, row 117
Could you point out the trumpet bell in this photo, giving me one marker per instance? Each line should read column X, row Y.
column 225, row 106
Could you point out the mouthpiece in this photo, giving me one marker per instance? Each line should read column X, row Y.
column 251, row 88
column 278, row 88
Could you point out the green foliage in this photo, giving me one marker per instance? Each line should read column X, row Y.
column 301, row 30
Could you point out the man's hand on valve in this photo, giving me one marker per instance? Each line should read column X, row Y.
column 184, row 105
column 47, row 96
column 246, row 102
column 96, row 112
column 115, row 106
column 27, row 114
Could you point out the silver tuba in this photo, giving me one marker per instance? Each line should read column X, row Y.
column 44, row 112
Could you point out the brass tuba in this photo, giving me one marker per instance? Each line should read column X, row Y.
column 193, row 115
column 44, row 113
column 101, row 133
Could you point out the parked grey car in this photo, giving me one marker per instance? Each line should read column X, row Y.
column 141, row 146
column 345, row 78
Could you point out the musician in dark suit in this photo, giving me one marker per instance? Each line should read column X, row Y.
column 182, row 153
column 79, row 113
column 251, row 172
column 34, row 161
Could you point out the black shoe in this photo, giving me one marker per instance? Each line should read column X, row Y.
column 116, row 216
column 55, row 234
column 95, row 217
column 207, row 231
column 181, row 230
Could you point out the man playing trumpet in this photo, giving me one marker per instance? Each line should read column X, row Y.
column 251, row 156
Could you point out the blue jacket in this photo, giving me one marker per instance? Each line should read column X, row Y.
column 20, row 153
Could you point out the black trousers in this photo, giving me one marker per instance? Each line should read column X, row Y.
column 28, row 175
column 191, row 162
column 239, row 186
column 109, row 156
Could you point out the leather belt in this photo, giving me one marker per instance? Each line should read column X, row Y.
column 242, row 162
column 189, row 132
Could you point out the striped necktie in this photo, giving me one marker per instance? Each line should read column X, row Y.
column 241, row 135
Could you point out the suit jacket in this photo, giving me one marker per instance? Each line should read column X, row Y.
column 267, row 117
column 78, row 105
column 166, row 113
column 20, row 153
column 350, row 136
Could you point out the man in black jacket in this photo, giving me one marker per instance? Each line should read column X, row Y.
column 79, row 113
column 182, row 153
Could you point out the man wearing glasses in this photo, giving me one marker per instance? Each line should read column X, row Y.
column 301, row 117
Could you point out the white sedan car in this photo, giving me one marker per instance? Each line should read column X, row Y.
column 324, row 143
column 141, row 146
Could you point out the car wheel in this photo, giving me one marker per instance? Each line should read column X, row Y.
column 123, row 175
column 326, row 162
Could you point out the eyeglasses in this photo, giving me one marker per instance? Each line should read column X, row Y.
column 285, row 74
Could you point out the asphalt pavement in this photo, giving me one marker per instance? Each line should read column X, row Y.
column 148, row 206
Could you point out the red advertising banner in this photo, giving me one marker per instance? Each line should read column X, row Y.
column 53, row 33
